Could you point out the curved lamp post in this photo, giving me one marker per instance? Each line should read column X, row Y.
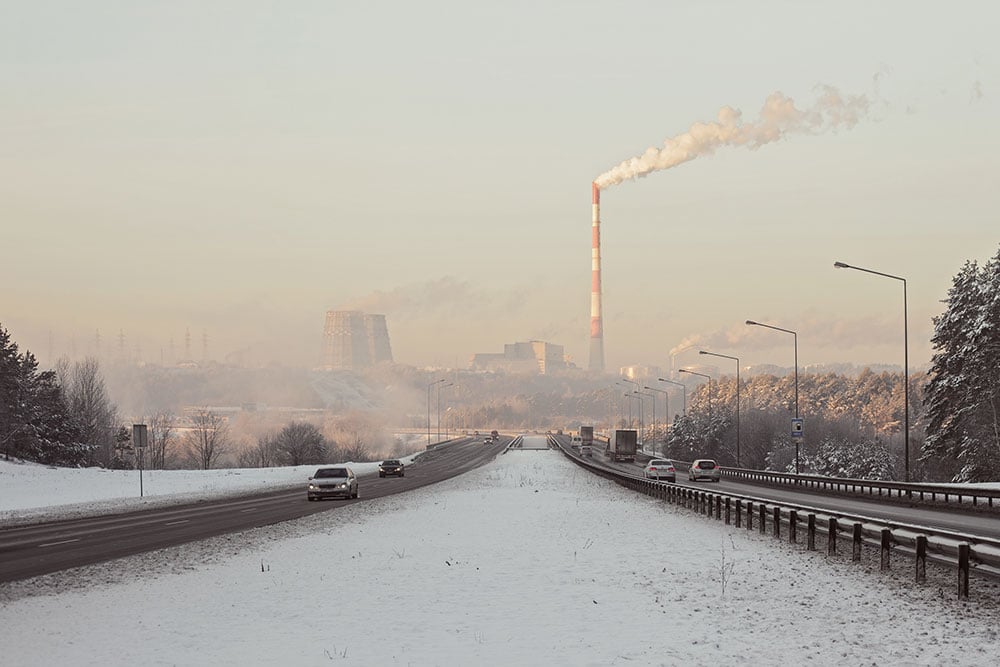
column 429, row 385
column 796, row 341
column 684, row 370
column 666, row 407
column 736, row 359
column 683, row 387
column 620, row 380
column 443, row 386
column 906, row 364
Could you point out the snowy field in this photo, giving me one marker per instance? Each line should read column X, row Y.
column 526, row 561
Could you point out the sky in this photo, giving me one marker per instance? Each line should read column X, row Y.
column 442, row 576
column 232, row 170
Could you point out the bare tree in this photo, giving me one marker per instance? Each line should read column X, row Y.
column 207, row 440
column 88, row 401
column 263, row 454
column 356, row 434
column 300, row 443
column 159, row 452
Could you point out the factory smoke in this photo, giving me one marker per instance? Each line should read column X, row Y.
column 778, row 117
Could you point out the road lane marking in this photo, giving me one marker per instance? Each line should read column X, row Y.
column 249, row 509
column 174, row 523
column 52, row 544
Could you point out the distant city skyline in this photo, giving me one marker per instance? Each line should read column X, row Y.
column 239, row 169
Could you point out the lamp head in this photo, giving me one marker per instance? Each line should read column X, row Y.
column 841, row 265
column 752, row 323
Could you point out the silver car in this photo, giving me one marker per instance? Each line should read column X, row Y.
column 704, row 469
column 660, row 469
column 334, row 482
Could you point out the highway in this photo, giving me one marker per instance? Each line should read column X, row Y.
column 983, row 523
column 32, row 550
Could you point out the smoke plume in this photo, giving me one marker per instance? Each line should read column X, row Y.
column 778, row 117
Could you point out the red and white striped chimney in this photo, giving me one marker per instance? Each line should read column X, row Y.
column 596, row 318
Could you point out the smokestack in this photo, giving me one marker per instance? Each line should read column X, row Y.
column 596, row 318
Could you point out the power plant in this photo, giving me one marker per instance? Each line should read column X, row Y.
column 596, row 318
column 353, row 340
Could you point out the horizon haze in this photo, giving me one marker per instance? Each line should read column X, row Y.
column 232, row 171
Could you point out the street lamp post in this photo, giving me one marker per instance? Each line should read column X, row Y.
column 906, row 364
column 613, row 407
column 683, row 387
column 450, row 384
column 736, row 359
column 630, row 424
column 429, row 385
column 638, row 395
column 684, row 370
column 795, row 339
column 666, row 407
column 652, row 398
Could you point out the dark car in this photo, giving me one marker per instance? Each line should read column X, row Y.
column 335, row 482
column 390, row 467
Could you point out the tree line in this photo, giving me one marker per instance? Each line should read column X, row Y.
column 66, row 417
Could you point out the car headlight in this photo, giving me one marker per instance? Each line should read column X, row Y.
column 313, row 487
column 342, row 486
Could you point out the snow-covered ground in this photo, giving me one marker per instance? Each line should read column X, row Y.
column 30, row 492
column 526, row 561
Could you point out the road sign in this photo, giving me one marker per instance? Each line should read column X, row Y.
column 139, row 435
column 797, row 424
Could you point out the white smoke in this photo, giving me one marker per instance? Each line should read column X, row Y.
column 778, row 117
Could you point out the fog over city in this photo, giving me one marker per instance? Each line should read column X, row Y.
column 235, row 189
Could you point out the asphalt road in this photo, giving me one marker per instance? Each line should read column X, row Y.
column 29, row 551
column 983, row 524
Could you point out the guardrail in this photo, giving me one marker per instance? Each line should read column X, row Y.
column 911, row 490
column 967, row 552
column 979, row 498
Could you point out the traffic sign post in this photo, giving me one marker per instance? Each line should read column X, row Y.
column 139, row 441
column 797, row 434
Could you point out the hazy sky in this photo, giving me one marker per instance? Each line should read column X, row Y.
column 238, row 168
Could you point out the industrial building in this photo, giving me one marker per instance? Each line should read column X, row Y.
column 353, row 340
column 534, row 356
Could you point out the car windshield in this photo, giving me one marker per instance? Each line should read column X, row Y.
column 706, row 465
column 331, row 472
column 390, row 463
column 659, row 463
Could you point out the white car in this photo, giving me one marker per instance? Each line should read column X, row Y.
column 660, row 469
column 335, row 482
column 704, row 469
column 586, row 450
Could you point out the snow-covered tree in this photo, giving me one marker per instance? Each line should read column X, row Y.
column 34, row 421
column 963, row 394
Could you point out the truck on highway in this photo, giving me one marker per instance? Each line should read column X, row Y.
column 622, row 445
column 586, row 435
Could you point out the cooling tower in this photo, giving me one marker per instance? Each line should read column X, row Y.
column 378, row 338
column 345, row 340
column 596, row 318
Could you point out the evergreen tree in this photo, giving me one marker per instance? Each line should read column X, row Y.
column 963, row 394
column 34, row 421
